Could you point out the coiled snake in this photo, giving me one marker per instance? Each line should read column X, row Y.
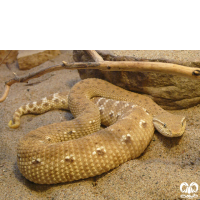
column 78, row 149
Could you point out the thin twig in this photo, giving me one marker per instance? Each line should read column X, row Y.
column 37, row 74
column 7, row 88
column 27, row 77
column 7, row 65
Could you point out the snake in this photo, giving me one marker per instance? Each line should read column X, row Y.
column 80, row 148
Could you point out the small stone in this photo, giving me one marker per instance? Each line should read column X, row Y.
column 29, row 59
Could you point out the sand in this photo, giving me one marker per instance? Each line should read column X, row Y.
column 156, row 174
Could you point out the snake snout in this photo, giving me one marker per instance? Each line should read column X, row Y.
column 179, row 128
column 170, row 125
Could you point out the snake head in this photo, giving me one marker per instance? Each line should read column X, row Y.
column 170, row 125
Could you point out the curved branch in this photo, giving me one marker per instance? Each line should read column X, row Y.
column 7, row 88
column 28, row 77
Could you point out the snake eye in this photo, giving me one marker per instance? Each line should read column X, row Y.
column 164, row 125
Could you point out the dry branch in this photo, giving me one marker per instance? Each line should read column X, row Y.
column 96, row 57
column 169, row 68
column 27, row 77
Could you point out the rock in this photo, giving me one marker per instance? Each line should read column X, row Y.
column 29, row 59
column 11, row 56
column 169, row 91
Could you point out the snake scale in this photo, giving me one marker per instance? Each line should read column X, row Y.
column 78, row 149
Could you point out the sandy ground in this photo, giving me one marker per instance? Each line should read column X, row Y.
column 157, row 174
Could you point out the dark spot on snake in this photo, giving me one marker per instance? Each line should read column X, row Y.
column 63, row 102
column 117, row 116
column 70, row 132
column 30, row 105
column 144, row 124
column 56, row 101
column 46, row 104
column 128, row 139
column 101, row 111
column 24, row 107
column 35, row 162
column 69, row 160
column 111, row 114
column 39, row 109
column 39, row 102
column 100, row 152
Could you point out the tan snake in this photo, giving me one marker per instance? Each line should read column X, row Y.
column 77, row 149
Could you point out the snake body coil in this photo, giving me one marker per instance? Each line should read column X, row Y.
column 78, row 149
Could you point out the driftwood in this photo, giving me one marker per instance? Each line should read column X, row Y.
column 100, row 64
